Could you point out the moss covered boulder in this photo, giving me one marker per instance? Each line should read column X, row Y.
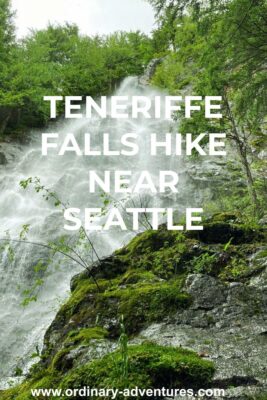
column 202, row 280
column 143, row 366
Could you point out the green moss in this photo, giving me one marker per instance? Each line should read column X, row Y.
column 262, row 255
column 236, row 269
column 149, row 366
column 145, row 303
column 156, row 251
column 85, row 335
column 148, row 276
column 225, row 217
column 23, row 391
column 151, row 241
column 262, row 396
column 135, row 276
column 203, row 264
column 139, row 295
column 60, row 362
column 84, row 291
column 144, row 283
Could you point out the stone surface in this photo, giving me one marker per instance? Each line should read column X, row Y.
column 97, row 349
column 227, row 325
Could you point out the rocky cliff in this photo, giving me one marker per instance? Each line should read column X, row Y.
column 170, row 309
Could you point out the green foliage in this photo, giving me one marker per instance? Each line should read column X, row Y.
column 238, row 202
column 236, row 269
column 227, row 245
column 86, row 335
column 60, row 61
column 6, row 45
column 262, row 396
column 203, row 264
column 219, row 48
column 157, row 251
column 18, row 371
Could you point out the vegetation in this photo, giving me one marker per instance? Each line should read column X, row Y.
column 215, row 47
column 60, row 61
column 150, row 366
column 209, row 48
column 132, row 287
column 219, row 48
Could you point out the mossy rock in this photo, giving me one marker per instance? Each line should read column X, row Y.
column 149, row 366
column 61, row 362
column 151, row 241
column 136, row 276
column 85, row 335
column 226, row 217
column 95, row 315
column 157, row 251
column 146, row 303
column 47, row 380
column 107, row 268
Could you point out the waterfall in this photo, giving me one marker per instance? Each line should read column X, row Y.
column 22, row 328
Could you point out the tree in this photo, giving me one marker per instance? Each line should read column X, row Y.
column 59, row 61
column 222, row 54
column 7, row 30
column 7, row 98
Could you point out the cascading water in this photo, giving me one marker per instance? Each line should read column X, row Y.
column 22, row 328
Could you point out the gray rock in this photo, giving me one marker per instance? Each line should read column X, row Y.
column 227, row 325
column 97, row 349
column 239, row 353
column 206, row 290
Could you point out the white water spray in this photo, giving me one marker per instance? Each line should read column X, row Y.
column 22, row 329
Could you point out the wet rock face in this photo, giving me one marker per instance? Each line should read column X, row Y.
column 226, row 324
column 83, row 354
column 206, row 291
column 239, row 353
column 224, row 305
column 173, row 289
column 224, row 321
